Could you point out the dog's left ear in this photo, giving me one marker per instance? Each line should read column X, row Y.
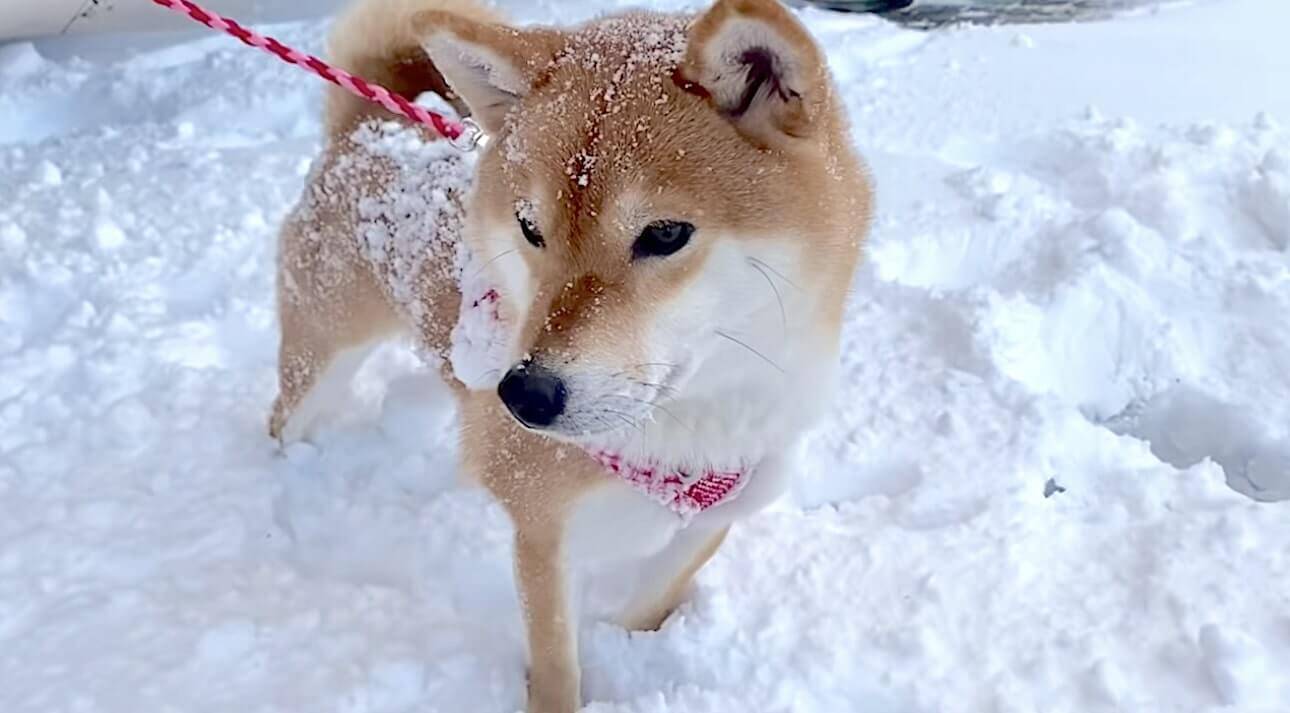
column 760, row 68
column 492, row 66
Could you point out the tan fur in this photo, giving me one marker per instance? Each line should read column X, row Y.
column 374, row 40
column 782, row 167
column 648, row 612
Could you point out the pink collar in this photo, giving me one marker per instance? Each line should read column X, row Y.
column 479, row 343
column 683, row 492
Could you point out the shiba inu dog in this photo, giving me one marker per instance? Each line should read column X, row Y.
column 636, row 288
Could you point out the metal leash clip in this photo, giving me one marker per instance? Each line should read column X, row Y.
column 472, row 136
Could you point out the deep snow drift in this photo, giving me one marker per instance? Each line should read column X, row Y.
column 1066, row 369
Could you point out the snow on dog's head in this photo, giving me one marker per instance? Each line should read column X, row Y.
column 670, row 204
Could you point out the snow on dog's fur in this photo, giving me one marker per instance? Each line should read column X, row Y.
column 669, row 214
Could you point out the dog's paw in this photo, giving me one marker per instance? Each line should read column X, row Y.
column 277, row 420
column 548, row 699
column 651, row 621
column 284, row 426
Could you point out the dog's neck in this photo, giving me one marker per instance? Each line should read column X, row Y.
column 701, row 449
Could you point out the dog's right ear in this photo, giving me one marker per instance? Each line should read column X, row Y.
column 490, row 66
column 758, row 67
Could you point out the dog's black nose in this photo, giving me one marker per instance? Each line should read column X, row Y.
column 534, row 394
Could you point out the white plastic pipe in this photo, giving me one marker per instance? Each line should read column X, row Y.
column 35, row 18
column 43, row 18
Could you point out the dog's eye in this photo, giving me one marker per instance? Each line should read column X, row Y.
column 661, row 238
column 530, row 231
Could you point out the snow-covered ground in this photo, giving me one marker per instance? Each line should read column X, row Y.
column 1067, row 369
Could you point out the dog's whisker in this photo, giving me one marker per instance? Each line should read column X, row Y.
column 652, row 384
column 664, row 388
column 665, row 364
column 745, row 345
column 654, row 405
column 783, row 315
column 773, row 271
column 494, row 259
column 626, row 419
column 600, row 412
column 604, row 422
column 625, row 371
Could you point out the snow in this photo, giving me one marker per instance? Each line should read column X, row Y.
column 1055, row 477
column 415, row 219
column 19, row 59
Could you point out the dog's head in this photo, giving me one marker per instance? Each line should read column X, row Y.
column 670, row 203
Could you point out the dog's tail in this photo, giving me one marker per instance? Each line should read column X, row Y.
column 374, row 40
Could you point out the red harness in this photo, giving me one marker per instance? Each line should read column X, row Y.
column 685, row 493
column 464, row 134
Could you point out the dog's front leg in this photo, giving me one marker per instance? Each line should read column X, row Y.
column 554, row 676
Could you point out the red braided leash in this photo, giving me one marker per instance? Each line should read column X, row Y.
column 464, row 135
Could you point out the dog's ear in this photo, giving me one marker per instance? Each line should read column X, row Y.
column 490, row 66
column 759, row 68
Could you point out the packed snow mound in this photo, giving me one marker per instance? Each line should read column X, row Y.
column 1054, row 477
column 1107, row 264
